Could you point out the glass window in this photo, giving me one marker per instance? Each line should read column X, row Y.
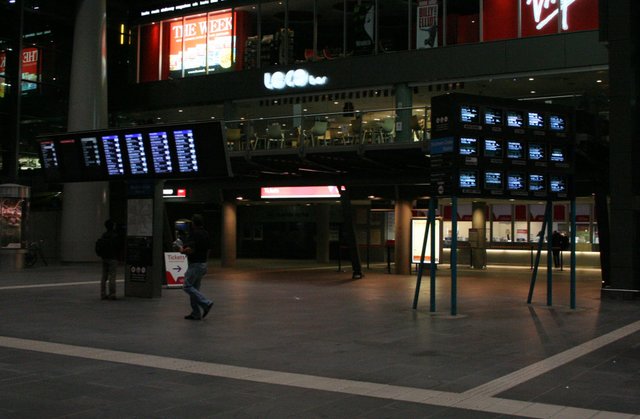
column 246, row 37
column 536, row 212
column 462, row 21
column 393, row 24
column 363, row 29
column 330, row 30
column 276, row 47
column 501, row 218
column 500, row 19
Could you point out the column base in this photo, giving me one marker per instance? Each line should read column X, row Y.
column 619, row 294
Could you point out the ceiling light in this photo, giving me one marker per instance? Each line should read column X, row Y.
column 533, row 92
column 598, row 81
column 531, row 79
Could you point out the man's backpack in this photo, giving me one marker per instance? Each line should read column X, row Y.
column 103, row 247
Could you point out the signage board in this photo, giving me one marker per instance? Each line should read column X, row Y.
column 175, row 265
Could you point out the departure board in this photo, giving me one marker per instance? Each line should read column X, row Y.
column 49, row 155
column 90, row 151
column 137, row 155
column 160, row 152
column 113, row 155
column 185, row 151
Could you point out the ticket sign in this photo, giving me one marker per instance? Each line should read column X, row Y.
column 175, row 151
column 175, row 265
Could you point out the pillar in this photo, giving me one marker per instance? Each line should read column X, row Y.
column 86, row 205
column 479, row 242
column 323, row 215
column 404, row 99
column 402, row 257
column 229, row 234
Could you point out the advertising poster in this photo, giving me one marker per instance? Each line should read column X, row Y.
column 221, row 41
column 30, row 69
column 10, row 221
column 427, row 32
column 364, row 27
column 175, row 265
column 418, row 228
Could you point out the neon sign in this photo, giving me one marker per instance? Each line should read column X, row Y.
column 539, row 5
column 292, row 78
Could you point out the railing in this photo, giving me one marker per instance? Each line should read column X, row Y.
column 339, row 129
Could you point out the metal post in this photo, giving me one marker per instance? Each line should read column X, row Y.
column 549, row 217
column 454, row 255
column 534, row 274
column 572, row 282
column 420, row 266
column 432, row 270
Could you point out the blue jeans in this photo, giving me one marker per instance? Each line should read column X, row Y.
column 192, row 280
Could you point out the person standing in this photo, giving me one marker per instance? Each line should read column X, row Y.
column 108, row 248
column 197, row 250
column 556, row 246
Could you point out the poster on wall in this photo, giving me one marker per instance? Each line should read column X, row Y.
column 418, row 228
column 363, row 27
column 30, row 70
column 221, row 42
column 427, row 25
column 11, row 221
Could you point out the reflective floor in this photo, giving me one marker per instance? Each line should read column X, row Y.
column 297, row 339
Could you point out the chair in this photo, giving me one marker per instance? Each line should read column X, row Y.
column 275, row 135
column 355, row 131
column 249, row 133
column 387, row 129
column 234, row 139
column 319, row 132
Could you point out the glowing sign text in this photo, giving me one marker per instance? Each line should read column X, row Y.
column 539, row 5
column 292, row 78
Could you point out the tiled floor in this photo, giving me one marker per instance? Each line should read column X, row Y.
column 294, row 339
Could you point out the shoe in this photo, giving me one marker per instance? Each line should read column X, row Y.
column 191, row 317
column 206, row 310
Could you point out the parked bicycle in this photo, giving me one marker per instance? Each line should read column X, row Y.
column 35, row 253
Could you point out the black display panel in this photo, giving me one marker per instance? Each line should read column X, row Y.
column 535, row 120
column 516, row 182
column 537, row 182
column 469, row 114
column 515, row 119
column 49, row 155
column 493, row 179
column 113, row 155
column 558, row 184
column 536, row 152
column 557, row 123
column 557, row 154
column 468, row 146
column 185, row 151
column 90, row 152
column 468, row 179
column 136, row 154
column 493, row 148
column 515, row 150
column 160, row 152
column 492, row 116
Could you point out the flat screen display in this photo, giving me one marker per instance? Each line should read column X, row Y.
column 492, row 116
column 468, row 179
column 516, row 182
column 160, row 152
column 185, row 151
column 493, row 179
column 515, row 119
column 469, row 114
column 557, row 184
column 136, row 153
column 113, row 155
column 537, row 183
column 536, row 152
column 468, row 146
column 557, row 154
column 535, row 120
column 90, row 152
column 493, row 148
column 557, row 123
column 49, row 154
column 515, row 150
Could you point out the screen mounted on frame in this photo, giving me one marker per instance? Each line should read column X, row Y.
column 469, row 114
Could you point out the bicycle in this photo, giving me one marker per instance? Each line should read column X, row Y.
column 34, row 252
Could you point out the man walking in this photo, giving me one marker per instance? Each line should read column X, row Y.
column 197, row 249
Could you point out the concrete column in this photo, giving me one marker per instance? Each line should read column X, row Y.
column 402, row 255
column 86, row 205
column 323, row 213
column 404, row 99
column 229, row 234
column 479, row 245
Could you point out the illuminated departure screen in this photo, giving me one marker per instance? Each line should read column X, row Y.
column 516, row 182
column 49, row 154
column 468, row 146
column 469, row 114
column 90, row 151
column 185, row 151
column 557, row 123
column 468, row 179
column 493, row 179
column 113, row 155
column 492, row 116
column 535, row 120
column 137, row 156
column 536, row 151
column 515, row 119
column 515, row 150
column 160, row 153
column 557, row 184
column 492, row 148
column 537, row 183
column 557, row 154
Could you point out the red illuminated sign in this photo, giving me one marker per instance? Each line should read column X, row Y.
column 300, row 192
